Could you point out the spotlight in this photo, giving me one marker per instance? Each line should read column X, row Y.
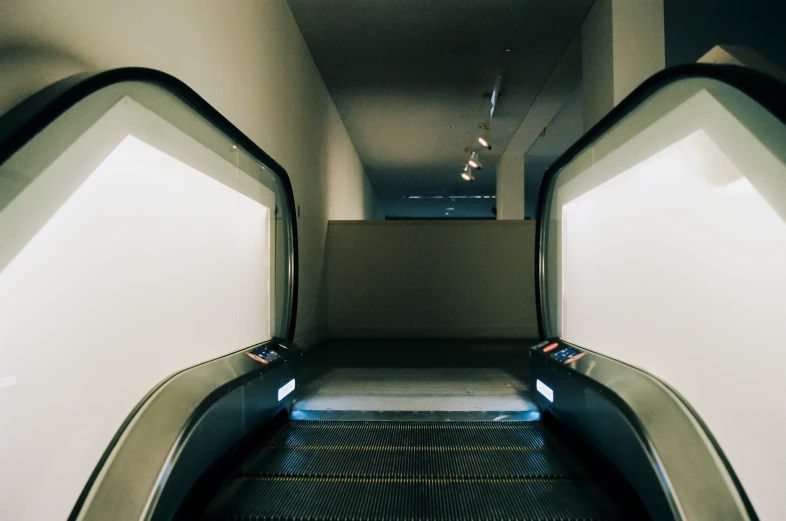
column 484, row 142
column 467, row 174
column 474, row 161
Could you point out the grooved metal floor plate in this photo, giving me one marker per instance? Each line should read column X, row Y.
column 415, row 389
column 382, row 471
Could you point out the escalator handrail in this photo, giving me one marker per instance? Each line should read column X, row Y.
column 181, row 400
column 24, row 121
column 769, row 92
column 634, row 394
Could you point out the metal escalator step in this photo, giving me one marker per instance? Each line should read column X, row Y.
column 410, row 463
column 398, row 499
column 396, row 471
column 449, row 435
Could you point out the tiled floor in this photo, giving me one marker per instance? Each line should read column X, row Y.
column 483, row 379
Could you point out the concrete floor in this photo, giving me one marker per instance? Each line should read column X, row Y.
column 425, row 379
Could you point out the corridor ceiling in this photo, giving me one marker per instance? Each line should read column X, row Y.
column 412, row 78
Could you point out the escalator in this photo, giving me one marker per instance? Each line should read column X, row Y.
column 349, row 447
column 397, row 470
column 179, row 406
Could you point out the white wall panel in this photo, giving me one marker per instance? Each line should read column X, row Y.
column 143, row 267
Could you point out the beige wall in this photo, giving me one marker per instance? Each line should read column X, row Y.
column 247, row 59
column 623, row 44
column 639, row 44
column 432, row 279
column 349, row 195
column 510, row 186
column 597, row 62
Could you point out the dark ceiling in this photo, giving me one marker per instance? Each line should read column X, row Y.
column 411, row 80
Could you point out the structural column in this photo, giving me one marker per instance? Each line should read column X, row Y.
column 510, row 187
column 623, row 44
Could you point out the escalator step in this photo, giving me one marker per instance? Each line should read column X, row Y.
column 408, row 499
column 391, row 471
column 410, row 463
column 450, row 435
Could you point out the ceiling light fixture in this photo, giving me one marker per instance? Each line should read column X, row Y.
column 482, row 137
column 474, row 161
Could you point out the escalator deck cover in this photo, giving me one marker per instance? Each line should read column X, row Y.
column 411, row 471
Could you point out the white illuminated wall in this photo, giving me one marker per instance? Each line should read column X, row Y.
column 149, row 266
column 677, row 265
